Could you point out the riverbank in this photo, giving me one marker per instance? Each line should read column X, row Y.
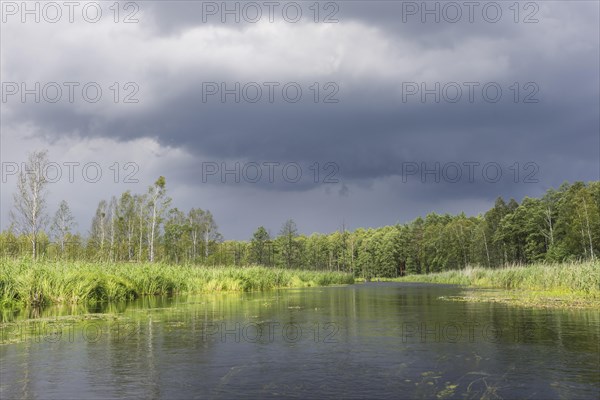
column 571, row 285
column 41, row 283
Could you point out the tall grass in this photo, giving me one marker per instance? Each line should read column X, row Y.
column 46, row 282
column 581, row 278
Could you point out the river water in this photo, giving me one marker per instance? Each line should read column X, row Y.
column 373, row 340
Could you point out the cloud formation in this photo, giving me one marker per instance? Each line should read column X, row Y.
column 362, row 106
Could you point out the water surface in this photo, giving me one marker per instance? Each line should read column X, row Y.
column 361, row 341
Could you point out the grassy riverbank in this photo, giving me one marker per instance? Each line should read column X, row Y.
column 545, row 285
column 40, row 283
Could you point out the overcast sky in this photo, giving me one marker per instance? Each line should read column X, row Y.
column 498, row 100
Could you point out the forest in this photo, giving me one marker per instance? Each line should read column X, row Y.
column 562, row 225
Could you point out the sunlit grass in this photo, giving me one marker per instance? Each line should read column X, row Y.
column 581, row 277
column 569, row 281
column 40, row 283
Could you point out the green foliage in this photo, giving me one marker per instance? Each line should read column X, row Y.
column 582, row 278
column 259, row 247
column 561, row 226
column 40, row 283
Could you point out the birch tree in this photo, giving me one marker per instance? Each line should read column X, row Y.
column 158, row 202
column 125, row 214
column 112, row 218
column 210, row 231
column 195, row 220
column 100, row 226
column 62, row 224
column 141, row 214
column 29, row 215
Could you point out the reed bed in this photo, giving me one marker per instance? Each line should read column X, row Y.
column 582, row 278
column 45, row 282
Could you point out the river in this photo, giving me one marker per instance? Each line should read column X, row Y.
column 372, row 340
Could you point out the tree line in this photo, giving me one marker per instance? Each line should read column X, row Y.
column 564, row 224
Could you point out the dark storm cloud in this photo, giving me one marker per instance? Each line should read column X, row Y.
column 369, row 136
column 371, row 133
column 454, row 19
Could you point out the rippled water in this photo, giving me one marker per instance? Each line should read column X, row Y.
column 361, row 341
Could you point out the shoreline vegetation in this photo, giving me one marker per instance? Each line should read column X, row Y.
column 570, row 285
column 41, row 283
column 562, row 225
column 25, row 283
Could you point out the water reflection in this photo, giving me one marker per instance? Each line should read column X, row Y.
column 370, row 340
